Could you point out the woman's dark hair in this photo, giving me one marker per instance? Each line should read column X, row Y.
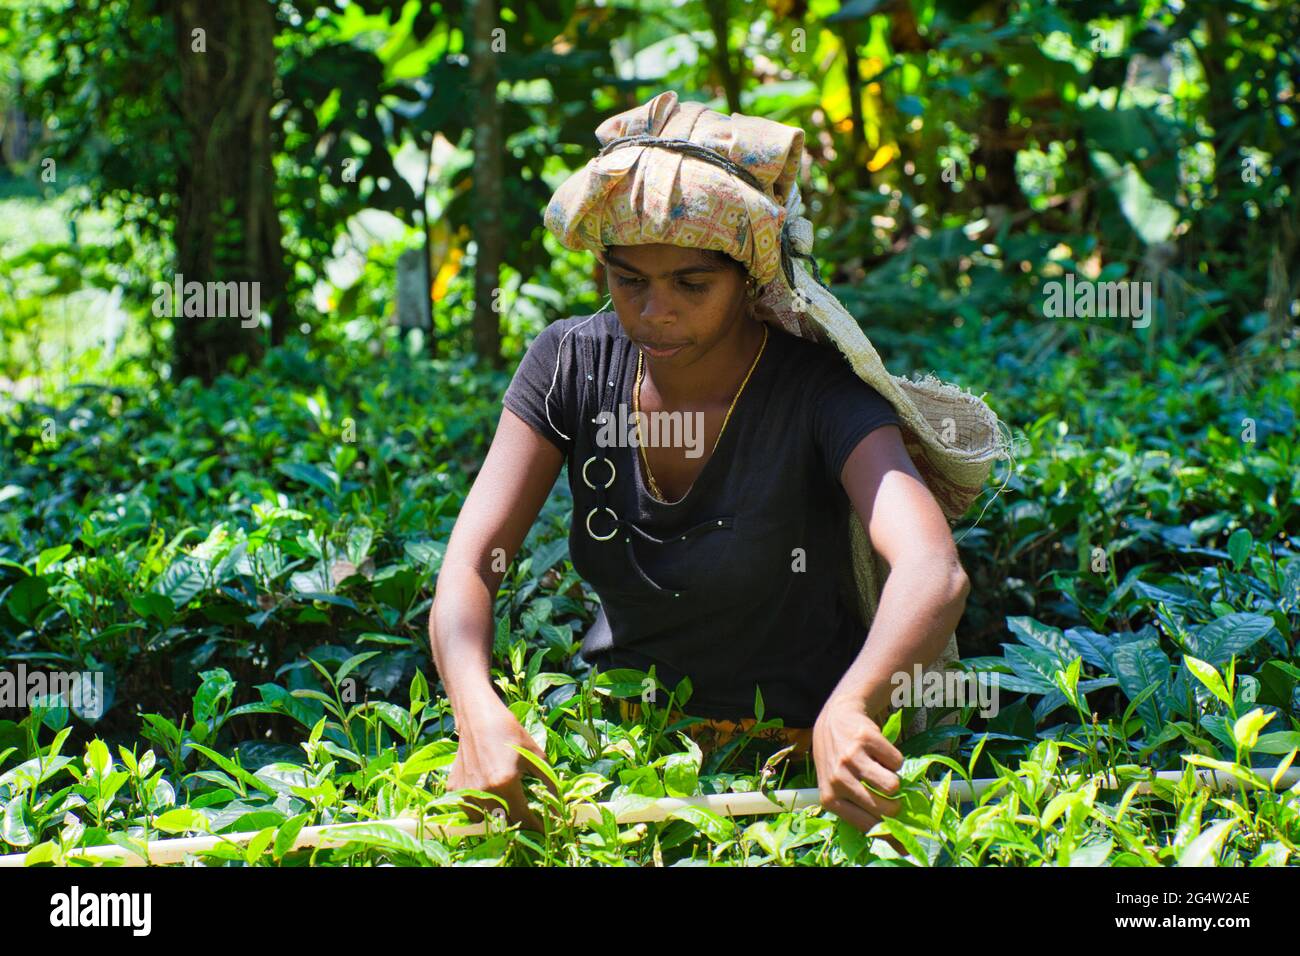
column 726, row 258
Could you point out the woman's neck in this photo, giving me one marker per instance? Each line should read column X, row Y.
column 713, row 379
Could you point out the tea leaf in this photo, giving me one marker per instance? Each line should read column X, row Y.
column 1203, row 850
column 1240, row 543
column 1208, row 676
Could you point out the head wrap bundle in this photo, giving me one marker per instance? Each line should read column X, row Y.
column 685, row 175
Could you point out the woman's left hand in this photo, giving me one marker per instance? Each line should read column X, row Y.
column 849, row 748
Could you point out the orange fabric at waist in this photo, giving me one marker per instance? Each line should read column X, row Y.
column 711, row 733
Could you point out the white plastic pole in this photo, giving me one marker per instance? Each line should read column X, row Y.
column 725, row 804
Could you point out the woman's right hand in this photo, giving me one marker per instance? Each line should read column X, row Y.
column 486, row 760
column 502, row 504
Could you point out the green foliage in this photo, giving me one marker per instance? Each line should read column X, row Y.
column 249, row 566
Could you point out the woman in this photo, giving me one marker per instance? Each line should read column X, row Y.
column 727, row 552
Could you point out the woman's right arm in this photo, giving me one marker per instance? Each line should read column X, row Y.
column 517, row 476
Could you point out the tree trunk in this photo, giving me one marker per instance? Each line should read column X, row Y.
column 1220, row 111
column 432, row 344
column 227, row 226
column 996, row 152
column 857, row 135
column 489, row 234
column 727, row 72
column 999, row 191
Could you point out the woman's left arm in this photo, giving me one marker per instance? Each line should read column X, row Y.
column 922, row 600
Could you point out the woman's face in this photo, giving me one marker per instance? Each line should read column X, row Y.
column 675, row 302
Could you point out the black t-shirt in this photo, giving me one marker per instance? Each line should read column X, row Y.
column 747, row 580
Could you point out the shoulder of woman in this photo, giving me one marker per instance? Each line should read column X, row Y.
column 601, row 325
column 818, row 364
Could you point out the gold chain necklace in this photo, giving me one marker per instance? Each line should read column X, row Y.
column 636, row 410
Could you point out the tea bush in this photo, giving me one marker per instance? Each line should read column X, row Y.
column 250, row 568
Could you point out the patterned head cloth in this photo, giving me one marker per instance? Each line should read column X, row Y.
column 686, row 175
